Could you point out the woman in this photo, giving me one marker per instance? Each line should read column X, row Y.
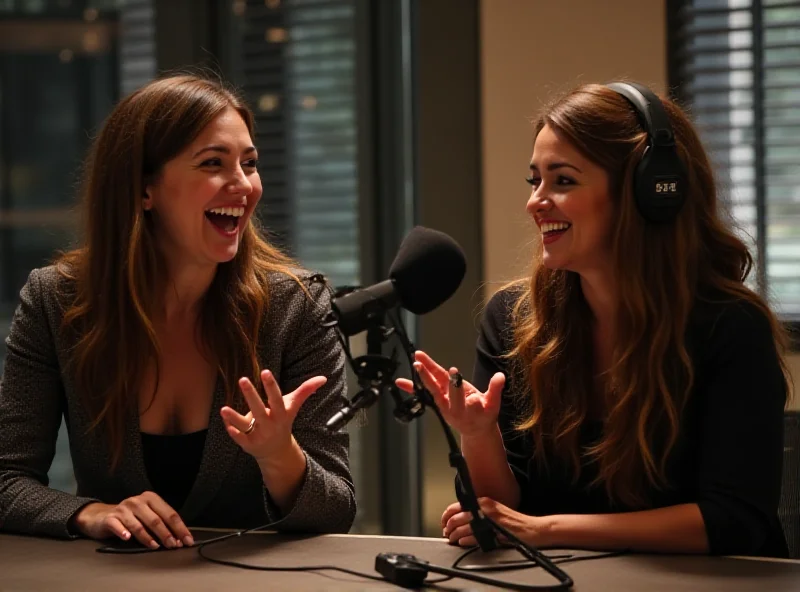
column 629, row 393
column 155, row 338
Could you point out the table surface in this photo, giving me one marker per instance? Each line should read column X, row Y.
column 29, row 563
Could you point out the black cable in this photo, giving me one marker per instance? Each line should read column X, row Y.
column 466, row 575
column 134, row 550
column 289, row 569
column 512, row 565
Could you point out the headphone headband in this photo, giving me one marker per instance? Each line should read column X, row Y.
column 652, row 116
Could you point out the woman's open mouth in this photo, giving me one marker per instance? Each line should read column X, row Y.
column 552, row 231
column 225, row 220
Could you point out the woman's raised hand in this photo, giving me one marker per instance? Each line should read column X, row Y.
column 466, row 409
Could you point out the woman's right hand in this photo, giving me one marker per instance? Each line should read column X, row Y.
column 138, row 516
column 466, row 409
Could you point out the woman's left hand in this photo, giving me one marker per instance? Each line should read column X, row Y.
column 456, row 527
column 266, row 431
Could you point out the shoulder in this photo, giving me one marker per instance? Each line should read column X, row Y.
column 499, row 311
column 738, row 321
column 51, row 286
column 736, row 335
column 299, row 291
column 497, row 324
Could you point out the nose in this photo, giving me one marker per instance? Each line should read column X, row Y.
column 240, row 184
column 538, row 201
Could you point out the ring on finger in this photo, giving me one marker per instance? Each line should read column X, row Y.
column 251, row 427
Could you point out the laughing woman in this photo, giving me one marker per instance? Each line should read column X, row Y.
column 185, row 353
column 629, row 393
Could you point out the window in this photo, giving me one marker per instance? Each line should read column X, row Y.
column 736, row 64
column 295, row 60
column 295, row 63
column 62, row 67
column 65, row 63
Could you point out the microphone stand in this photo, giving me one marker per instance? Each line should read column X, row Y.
column 375, row 373
column 481, row 527
column 484, row 529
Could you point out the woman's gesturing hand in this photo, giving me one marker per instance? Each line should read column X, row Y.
column 464, row 407
column 267, row 430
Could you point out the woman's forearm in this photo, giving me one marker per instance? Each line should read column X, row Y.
column 675, row 529
column 489, row 469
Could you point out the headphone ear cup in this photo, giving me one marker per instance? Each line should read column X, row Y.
column 659, row 184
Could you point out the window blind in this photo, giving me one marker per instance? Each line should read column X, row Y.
column 736, row 64
column 298, row 72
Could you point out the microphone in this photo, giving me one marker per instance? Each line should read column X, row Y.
column 426, row 271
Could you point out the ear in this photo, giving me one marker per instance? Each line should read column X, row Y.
column 147, row 199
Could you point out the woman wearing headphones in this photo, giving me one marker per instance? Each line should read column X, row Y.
column 629, row 392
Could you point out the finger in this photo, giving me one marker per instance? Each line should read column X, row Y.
column 155, row 524
column 456, row 391
column 494, row 393
column 456, row 521
column 139, row 532
column 236, row 420
column 171, row 518
column 450, row 511
column 294, row 400
column 404, row 384
column 238, row 436
column 115, row 527
column 433, row 387
column 459, row 533
column 253, row 400
column 469, row 541
column 440, row 374
column 277, row 407
column 489, row 505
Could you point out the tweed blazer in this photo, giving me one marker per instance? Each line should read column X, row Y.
column 36, row 391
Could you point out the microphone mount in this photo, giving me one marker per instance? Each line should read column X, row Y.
column 375, row 372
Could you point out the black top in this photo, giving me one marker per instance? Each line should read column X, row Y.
column 729, row 454
column 172, row 463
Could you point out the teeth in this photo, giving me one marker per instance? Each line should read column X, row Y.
column 551, row 226
column 236, row 212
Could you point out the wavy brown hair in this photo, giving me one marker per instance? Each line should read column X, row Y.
column 661, row 271
column 114, row 276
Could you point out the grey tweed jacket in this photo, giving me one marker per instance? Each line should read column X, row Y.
column 228, row 491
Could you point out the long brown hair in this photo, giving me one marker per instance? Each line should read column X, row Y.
column 117, row 271
column 661, row 272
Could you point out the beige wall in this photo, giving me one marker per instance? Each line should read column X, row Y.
column 533, row 50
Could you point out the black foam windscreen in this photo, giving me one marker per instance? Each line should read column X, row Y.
column 427, row 270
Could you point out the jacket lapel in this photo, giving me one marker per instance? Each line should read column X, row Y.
column 219, row 454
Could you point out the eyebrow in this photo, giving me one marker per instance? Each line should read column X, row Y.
column 557, row 165
column 222, row 149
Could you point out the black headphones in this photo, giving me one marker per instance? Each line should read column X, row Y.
column 659, row 181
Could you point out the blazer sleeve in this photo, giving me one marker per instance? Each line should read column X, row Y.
column 31, row 407
column 326, row 501
column 741, row 444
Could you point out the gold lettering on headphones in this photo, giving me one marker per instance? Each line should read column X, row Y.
column 671, row 187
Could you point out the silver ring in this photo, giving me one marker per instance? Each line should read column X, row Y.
column 251, row 426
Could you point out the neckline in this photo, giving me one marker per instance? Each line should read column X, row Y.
column 186, row 435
